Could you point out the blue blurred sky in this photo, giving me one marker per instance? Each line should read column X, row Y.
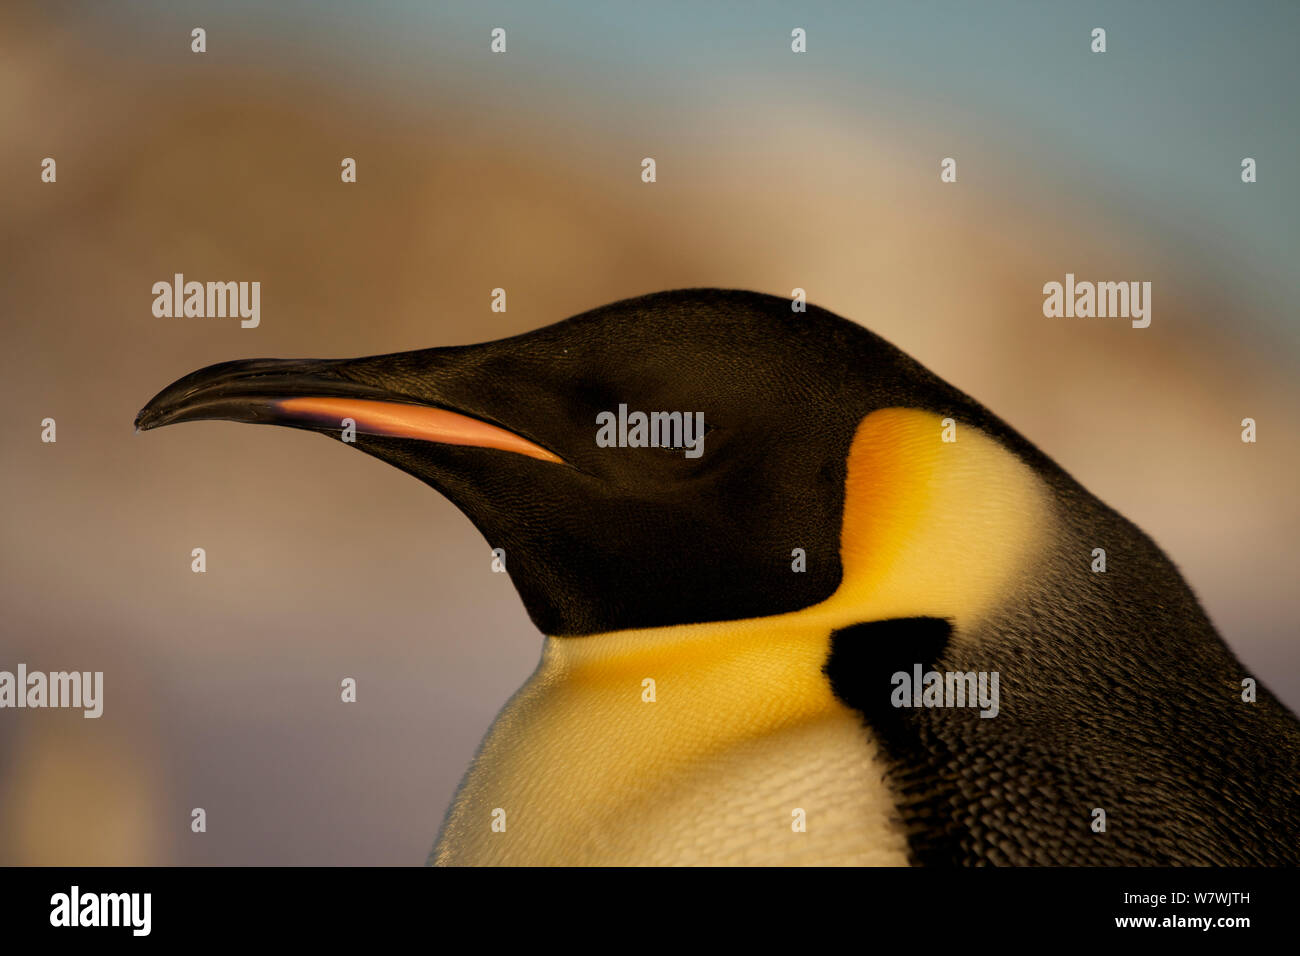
column 1152, row 133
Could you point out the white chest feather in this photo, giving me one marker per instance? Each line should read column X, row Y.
column 744, row 757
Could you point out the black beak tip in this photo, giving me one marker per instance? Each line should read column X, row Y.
column 244, row 390
column 150, row 416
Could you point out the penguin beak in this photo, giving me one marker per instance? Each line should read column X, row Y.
column 319, row 395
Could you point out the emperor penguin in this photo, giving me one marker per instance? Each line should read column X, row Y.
column 803, row 603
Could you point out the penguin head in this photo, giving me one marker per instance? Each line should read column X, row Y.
column 550, row 444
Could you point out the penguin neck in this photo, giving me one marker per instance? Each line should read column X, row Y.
column 652, row 745
column 734, row 674
column 930, row 529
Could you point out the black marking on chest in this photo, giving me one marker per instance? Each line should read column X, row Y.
column 860, row 667
column 970, row 791
column 1185, row 774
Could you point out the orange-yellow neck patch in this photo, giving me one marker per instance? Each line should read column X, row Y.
column 935, row 528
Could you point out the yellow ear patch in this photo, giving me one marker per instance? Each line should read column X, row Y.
column 934, row 528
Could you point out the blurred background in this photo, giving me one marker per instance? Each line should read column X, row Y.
column 522, row 171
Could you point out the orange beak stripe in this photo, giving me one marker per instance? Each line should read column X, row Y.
column 400, row 420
